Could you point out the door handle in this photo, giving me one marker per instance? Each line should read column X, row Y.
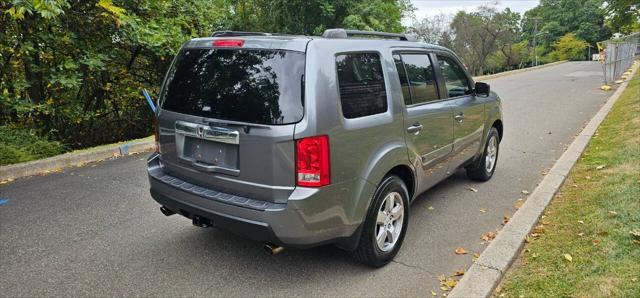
column 415, row 128
column 459, row 117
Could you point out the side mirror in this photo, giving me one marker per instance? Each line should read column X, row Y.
column 482, row 89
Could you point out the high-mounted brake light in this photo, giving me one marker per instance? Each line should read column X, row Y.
column 312, row 161
column 228, row 43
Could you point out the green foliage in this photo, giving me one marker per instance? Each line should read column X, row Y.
column 624, row 15
column 313, row 17
column 479, row 34
column 569, row 47
column 20, row 145
column 73, row 70
column 555, row 18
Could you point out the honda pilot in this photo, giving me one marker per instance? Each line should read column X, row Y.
column 300, row 141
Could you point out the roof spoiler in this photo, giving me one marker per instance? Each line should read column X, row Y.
column 343, row 33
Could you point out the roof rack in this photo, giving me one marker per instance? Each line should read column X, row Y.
column 228, row 33
column 342, row 33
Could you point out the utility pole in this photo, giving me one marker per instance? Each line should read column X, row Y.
column 535, row 34
column 589, row 57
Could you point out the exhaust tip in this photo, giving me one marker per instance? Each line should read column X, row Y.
column 272, row 249
column 166, row 211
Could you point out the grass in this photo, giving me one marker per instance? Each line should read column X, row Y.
column 20, row 145
column 590, row 219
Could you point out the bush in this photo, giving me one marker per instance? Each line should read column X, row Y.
column 20, row 145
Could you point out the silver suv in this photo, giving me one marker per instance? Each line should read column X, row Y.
column 302, row 141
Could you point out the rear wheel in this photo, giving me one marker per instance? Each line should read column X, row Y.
column 485, row 167
column 385, row 225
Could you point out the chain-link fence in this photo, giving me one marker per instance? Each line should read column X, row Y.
column 617, row 55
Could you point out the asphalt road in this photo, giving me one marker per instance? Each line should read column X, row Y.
column 95, row 231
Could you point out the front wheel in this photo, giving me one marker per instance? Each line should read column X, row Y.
column 385, row 225
column 485, row 167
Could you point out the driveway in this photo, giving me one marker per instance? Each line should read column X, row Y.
column 95, row 231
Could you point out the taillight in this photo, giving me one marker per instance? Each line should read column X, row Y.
column 228, row 43
column 312, row 161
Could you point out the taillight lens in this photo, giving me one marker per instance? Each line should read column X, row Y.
column 228, row 43
column 312, row 161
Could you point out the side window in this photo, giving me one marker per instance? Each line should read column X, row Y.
column 454, row 77
column 362, row 90
column 421, row 78
column 404, row 84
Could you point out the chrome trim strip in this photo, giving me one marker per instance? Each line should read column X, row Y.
column 205, row 132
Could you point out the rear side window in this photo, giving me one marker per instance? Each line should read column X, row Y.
column 454, row 77
column 420, row 77
column 362, row 90
column 253, row 86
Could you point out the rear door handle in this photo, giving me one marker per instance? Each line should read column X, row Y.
column 415, row 128
column 459, row 117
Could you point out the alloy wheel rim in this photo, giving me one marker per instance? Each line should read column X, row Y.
column 492, row 154
column 389, row 222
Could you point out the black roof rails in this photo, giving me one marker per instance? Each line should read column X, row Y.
column 228, row 33
column 342, row 33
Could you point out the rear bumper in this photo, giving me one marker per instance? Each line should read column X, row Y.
column 311, row 216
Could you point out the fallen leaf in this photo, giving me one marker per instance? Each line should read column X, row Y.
column 472, row 189
column 587, row 177
column 636, row 242
column 505, row 220
column 596, row 241
column 450, row 283
column 433, row 293
column 535, row 235
column 442, row 277
column 568, row 257
column 444, row 288
column 613, row 213
column 580, row 234
column 459, row 272
column 488, row 236
column 581, row 222
column 518, row 204
column 461, row 251
column 527, row 239
column 534, row 255
column 498, row 289
column 635, row 233
column 575, row 185
column 525, row 192
column 483, row 210
column 431, row 208
column 600, row 167
column 545, row 222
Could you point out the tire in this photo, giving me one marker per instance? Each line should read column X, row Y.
column 380, row 222
column 484, row 168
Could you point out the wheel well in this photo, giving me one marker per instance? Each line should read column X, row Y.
column 405, row 173
column 498, row 125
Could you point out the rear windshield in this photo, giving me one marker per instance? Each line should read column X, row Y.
column 254, row 86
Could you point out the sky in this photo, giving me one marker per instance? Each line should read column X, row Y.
column 426, row 8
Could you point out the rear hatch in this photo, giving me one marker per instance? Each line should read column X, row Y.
column 228, row 114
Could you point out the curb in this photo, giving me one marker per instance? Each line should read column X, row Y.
column 487, row 272
column 517, row 71
column 71, row 159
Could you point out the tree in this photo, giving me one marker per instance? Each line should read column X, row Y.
column 73, row 70
column 555, row 18
column 623, row 16
column 569, row 47
column 430, row 29
column 479, row 34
